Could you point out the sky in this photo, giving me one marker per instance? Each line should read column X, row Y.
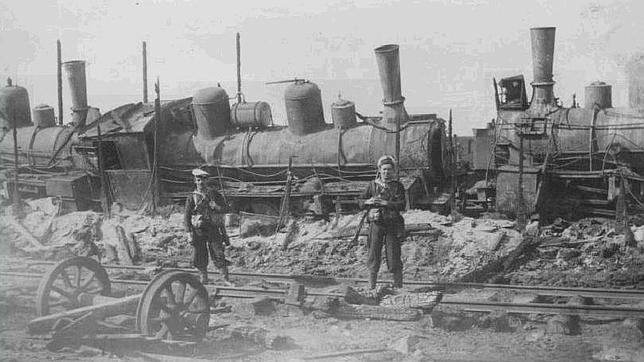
column 449, row 50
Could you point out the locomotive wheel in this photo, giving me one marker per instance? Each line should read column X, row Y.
column 174, row 306
column 61, row 286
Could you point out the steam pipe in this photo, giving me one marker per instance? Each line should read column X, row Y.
column 75, row 70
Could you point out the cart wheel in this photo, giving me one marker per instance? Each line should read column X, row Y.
column 61, row 286
column 174, row 306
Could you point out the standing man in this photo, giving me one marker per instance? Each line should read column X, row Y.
column 385, row 199
column 203, row 219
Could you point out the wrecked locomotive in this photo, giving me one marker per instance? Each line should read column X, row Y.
column 144, row 153
column 567, row 161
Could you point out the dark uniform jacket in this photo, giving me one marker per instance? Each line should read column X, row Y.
column 392, row 191
column 198, row 204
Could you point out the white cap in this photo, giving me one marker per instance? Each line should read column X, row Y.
column 386, row 159
column 199, row 172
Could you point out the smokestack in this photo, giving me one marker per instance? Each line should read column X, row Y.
column 389, row 69
column 635, row 72
column 543, row 48
column 75, row 71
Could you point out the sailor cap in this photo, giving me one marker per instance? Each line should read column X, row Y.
column 199, row 172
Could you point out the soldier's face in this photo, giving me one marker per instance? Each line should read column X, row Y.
column 387, row 171
column 200, row 181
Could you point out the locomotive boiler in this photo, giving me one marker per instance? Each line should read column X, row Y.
column 568, row 160
column 139, row 154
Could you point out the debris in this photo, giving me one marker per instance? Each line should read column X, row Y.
column 344, row 353
column 256, row 224
column 352, row 296
column 24, row 232
column 262, row 337
column 295, row 294
column 257, row 306
column 406, row 345
column 424, row 301
column 342, row 310
column 452, row 321
column 563, row 324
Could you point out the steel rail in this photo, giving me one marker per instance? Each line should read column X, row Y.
column 541, row 290
column 470, row 306
column 540, row 308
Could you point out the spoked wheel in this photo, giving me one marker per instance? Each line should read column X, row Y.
column 60, row 288
column 174, row 306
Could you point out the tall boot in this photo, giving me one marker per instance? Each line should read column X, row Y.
column 398, row 279
column 203, row 277
column 225, row 274
column 373, row 277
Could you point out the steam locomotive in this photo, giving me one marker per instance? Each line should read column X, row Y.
column 560, row 160
column 140, row 154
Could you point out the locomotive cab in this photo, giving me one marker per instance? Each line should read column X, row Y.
column 511, row 93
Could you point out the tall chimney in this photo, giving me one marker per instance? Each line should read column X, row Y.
column 543, row 48
column 389, row 69
column 635, row 72
column 75, row 71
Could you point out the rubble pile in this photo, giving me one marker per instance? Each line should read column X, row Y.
column 587, row 253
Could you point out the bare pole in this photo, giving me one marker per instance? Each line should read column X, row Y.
column 239, row 94
column 521, row 212
column 452, row 163
column 155, row 169
column 105, row 200
column 145, row 72
column 17, row 208
column 59, row 72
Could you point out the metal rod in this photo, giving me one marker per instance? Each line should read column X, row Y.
column 145, row 72
column 59, row 79
column 521, row 212
column 101, row 172
column 239, row 94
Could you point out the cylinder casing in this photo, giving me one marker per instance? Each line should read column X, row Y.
column 343, row 113
column 43, row 116
column 598, row 93
column 251, row 115
column 304, row 111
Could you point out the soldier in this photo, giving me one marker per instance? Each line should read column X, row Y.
column 204, row 221
column 384, row 198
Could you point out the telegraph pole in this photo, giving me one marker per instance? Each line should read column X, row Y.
column 239, row 93
column 59, row 72
column 145, row 72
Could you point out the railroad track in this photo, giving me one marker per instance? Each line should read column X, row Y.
column 622, row 311
column 607, row 293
